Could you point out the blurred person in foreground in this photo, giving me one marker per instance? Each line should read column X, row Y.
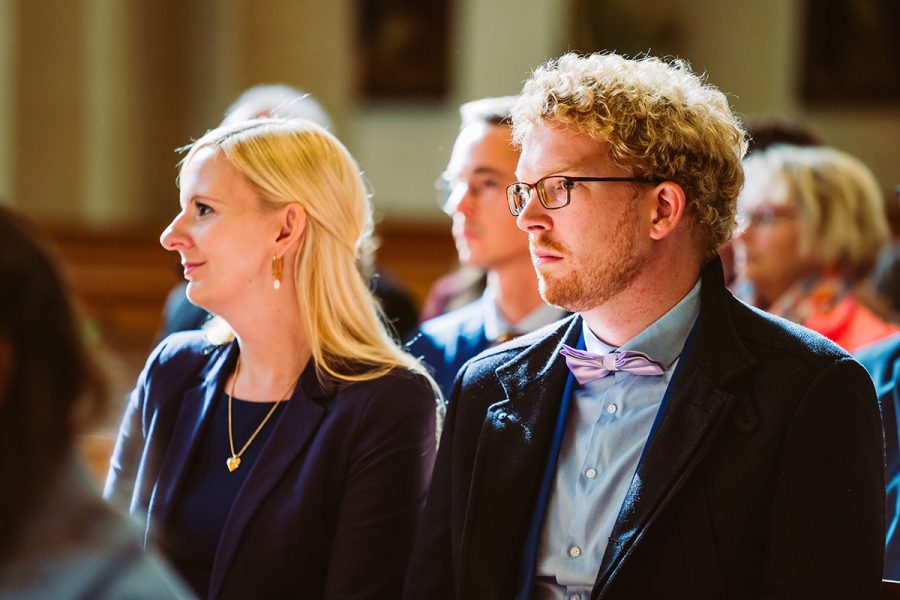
column 58, row 539
column 667, row 440
column 473, row 192
column 284, row 451
column 815, row 225
column 286, row 102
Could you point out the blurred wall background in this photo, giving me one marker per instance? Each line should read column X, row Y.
column 96, row 95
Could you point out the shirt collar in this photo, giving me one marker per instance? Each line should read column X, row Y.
column 495, row 325
column 662, row 340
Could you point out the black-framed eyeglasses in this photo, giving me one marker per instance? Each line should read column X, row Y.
column 555, row 191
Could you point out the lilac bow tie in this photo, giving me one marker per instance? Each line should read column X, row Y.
column 587, row 366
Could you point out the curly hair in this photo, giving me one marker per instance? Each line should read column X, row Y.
column 657, row 117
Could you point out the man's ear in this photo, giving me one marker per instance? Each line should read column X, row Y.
column 669, row 209
column 293, row 224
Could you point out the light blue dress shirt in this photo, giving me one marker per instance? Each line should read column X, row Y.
column 607, row 427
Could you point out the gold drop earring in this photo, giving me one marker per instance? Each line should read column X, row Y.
column 277, row 265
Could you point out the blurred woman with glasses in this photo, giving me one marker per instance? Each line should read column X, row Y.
column 814, row 225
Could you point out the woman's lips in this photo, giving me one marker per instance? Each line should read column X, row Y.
column 190, row 267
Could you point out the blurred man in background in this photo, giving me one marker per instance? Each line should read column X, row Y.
column 473, row 191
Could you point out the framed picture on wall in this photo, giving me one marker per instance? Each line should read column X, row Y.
column 403, row 49
column 629, row 27
column 851, row 51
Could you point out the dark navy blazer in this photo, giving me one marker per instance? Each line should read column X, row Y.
column 329, row 508
column 882, row 360
column 445, row 343
column 764, row 477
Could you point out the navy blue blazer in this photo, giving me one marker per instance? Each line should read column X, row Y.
column 445, row 343
column 764, row 477
column 882, row 360
column 330, row 506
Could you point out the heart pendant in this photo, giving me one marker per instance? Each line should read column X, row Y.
column 233, row 463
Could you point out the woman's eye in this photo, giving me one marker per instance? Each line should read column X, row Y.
column 203, row 209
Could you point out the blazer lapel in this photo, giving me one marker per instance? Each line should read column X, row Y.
column 187, row 431
column 512, row 452
column 692, row 414
column 293, row 431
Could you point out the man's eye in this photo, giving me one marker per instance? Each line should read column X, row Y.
column 559, row 185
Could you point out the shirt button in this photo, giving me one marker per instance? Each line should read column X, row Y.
column 612, row 408
column 574, row 551
column 590, row 473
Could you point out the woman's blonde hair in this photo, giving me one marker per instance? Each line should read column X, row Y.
column 297, row 161
column 840, row 207
column 658, row 118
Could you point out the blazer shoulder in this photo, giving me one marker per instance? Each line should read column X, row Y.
column 782, row 339
column 184, row 346
column 180, row 353
column 400, row 382
column 401, row 395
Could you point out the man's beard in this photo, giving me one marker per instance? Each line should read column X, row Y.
column 595, row 282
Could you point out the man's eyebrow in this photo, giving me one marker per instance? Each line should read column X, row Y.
column 488, row 170
column 561, row 168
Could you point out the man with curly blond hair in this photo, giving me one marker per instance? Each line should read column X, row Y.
column 666, row 441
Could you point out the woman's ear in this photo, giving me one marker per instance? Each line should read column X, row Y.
column 293, row 224
column 668, row 210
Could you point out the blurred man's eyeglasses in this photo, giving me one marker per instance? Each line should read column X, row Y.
column 555, row 191
column 450, row 190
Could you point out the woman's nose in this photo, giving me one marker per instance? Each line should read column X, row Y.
column 173, row 237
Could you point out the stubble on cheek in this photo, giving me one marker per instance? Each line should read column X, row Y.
column 593, row 280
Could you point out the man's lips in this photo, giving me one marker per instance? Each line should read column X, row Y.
column 466, row 232
column 542, row 256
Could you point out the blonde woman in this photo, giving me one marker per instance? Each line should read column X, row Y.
column 286, row 452
column 815, row 226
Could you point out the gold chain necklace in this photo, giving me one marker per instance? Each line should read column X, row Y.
column 234, row 461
